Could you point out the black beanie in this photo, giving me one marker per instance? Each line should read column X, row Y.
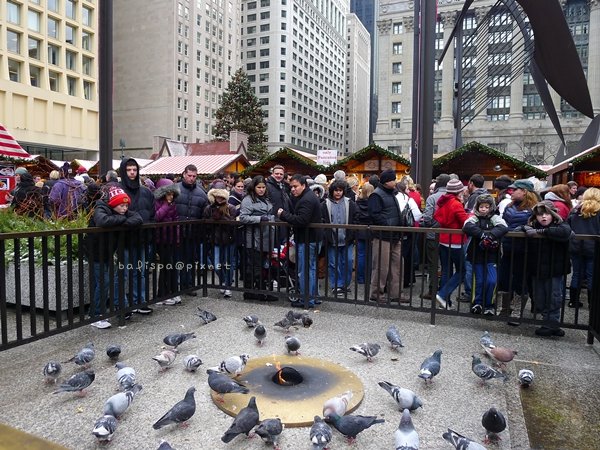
column 387, row 175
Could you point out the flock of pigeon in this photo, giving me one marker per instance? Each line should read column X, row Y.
column 223, row 379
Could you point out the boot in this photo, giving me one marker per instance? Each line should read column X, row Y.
column 515, row 313
column 574, row 298
column 505, row 309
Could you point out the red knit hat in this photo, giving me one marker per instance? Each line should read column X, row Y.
column 116, row 196
column 81, row 170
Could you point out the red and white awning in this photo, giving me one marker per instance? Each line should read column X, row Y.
column 9, row 146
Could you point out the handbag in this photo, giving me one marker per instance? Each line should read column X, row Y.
column 407, row 219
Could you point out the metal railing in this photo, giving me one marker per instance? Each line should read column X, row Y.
column 52, row 281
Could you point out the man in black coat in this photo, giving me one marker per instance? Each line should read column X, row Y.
column 278, row 193
column 307, row 210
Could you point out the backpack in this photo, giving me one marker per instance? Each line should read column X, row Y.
column 407, row 219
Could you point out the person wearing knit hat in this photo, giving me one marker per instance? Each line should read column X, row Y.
column 118, row 197
column 21, row 171
column 455, row 186
column 547, row 264
column 81, row 170
column 321, row 179
column 387, row 175
column 339, row 175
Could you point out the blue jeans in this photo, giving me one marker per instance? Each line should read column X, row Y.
column 485, row 279
column 468, row 274
column 547, row 298
column 362, row 261
column 101, row 280
column 340, row 261
column 223, row 259
column 134, row 264
column 583, row 268
column 303, row 266
column 452, row 261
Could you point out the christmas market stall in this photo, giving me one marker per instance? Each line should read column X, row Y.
column 293, row 161
column 370, row 160
column 583, row 168
column 208, row 165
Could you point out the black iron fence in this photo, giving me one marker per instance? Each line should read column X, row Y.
column 55, row 281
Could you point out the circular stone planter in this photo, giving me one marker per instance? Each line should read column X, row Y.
column 295, row 405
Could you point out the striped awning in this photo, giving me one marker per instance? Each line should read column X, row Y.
column 9, row 146
column 206, row 164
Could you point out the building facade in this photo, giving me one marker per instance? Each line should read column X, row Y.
column 294, row 52
column 505, row 115
column 358, row 87
column 172, row 62
column 48, row 76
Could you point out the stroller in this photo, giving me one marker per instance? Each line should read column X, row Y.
column 283, row 269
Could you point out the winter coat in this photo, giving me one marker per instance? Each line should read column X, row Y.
column 66, row 196
column 278, row 195
column 385, row 211
column 514, row 219
column 475, row 227
column 430, row 206
column 561, row 207
column 27, row 199
column 220, row 234
column 330, row 234
column 191, row 201
column 307, row 210
column 548, row 257
column 470, row 204
column 257, row 237
column 402, row 200
column 142, row 200
column 363, row 217
column 581, row 225
column 165, row 212
column 450, row 213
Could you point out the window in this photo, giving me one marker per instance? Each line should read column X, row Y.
column 53, row 54
column 53, row 81
column 265, row 15
column 395, row 123
column 264, row 64
column 71, row 60
column 86, row 40
column 52, row 5
column 396, row 107
column 396, row 88
column 70, row 34
column 71, row 86
column 13, row 13
column 397, row 28
column 267, row 27
column 397, row 68
column 397, row 48
column 14, row 70
column 500, row 102
column 33, row 20
column 13, row 41
column 264, row 40
column 86, row 65
column 263, row 90
column 34, row 48
column 70, row 8
column 86, row 16
column 88, row 90
column 52, row 28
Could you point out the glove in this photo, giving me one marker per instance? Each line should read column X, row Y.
column 529, row 231
column 264, row 218
column 488, row 242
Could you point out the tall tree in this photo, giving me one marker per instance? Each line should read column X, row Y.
column 240, row 110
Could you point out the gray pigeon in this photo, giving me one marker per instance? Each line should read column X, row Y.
column 234, row 365
column 84, row 356
column 494, row 422
column 165, row 359
column 461, row 442
column 486, row 340
column 367, row 350
column 485, row 372
column 52, row 371
column 525, row 377
column 164, row 445
column 180, row 413
column 125, row 376
column 192, row 362
column 269, row 430
column 206, row 316
column 246, row 419
column 299, row 318
column 431, row 366
column 113, row 351
column 117, row 404
column 77, row 383
column 176, row 339
column 222, row 384
column 393, row 336
column 320, row 434
column 260, row 333
column 104, row 428
column 350, row 426
column 406, row 436
column 405, row 398
column 337, row 405
column 292, row 344
column 251, row 320
column 286, row 323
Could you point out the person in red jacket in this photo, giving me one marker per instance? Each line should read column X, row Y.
column 450, row 213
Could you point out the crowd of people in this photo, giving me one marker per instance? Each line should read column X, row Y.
column 241, row 232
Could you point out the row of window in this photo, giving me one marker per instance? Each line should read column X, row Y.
column 15, row 10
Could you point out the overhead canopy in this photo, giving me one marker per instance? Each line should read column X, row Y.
column 9, row 146
column 293, row 161
column 371, row 160
column 206, row 164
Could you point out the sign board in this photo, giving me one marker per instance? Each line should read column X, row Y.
column 326, row 157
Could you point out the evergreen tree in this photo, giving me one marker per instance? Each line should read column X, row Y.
column 240, row 110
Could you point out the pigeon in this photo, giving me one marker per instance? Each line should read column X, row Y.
column 494, row 422
column 234, row 365
column 366, row 349
column 205, row 316
column 337, row 405
column 486, row 340
column 350, row 426
column 246, row 419
column 484, row 371
column 292, row 344
column 52, row 371
column 104, row 428
column 222, row 384
column 192, row 362
column 299, row 318
column 164, row 445
column 393, row 336
column 251, row 320
column 320, row 434
column 460, row 442
column 260, row 333
column 165, row 359
column 406, row 436
column 501, row 355
column 525, row 377
column 286, row 323
column 77, row 383
column 84, row 356
column 180, row 413
column 431, row 366
column 269, row 431
column 405, row 398
column 113, row 351
column 125, row 376
column 117, row 404
column 176, row 339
